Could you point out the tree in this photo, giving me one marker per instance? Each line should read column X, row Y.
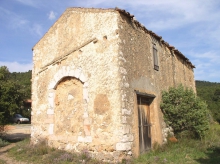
column 216, row 96
column 4, row 73
column 185, row 112
column 10, row 95
column 24, row 80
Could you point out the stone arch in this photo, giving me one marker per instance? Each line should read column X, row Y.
column 68, row 109
column 63, row 74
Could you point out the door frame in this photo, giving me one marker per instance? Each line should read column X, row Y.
column 151, row 101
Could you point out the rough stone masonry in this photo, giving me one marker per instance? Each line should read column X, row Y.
column 97, row 81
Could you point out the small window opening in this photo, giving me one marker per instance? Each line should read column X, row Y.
column 156, row 64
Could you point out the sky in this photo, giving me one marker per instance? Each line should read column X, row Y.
column 191, row 26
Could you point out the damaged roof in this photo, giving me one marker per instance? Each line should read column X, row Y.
column 138, row 24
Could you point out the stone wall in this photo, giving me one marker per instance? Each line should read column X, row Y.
column 138, row 74
column 76, row 84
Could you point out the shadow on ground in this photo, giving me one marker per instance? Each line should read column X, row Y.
column 213, row 156
column 15, row 137
column 15, row 133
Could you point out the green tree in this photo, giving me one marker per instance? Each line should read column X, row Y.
column 24, row 80
column 10, row 95
column 4, row 73
column 185, row 112
column 216, row 96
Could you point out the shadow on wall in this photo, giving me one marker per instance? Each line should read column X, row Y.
column 212, row 156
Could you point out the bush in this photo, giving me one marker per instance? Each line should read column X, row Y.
column 3, row 143
column 185, row 112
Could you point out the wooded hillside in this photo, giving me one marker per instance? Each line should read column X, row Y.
column 210, row 92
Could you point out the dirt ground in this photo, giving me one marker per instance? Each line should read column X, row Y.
column 14, row 133
column 17, row 132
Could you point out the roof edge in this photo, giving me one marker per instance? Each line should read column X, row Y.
column 159, row 38
column 138, row 24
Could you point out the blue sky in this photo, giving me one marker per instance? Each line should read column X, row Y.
column 192, row 26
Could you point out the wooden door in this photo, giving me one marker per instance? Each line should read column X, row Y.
column 144, row 123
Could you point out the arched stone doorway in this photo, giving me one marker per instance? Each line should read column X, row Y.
column 68, row 109
column 67, row 113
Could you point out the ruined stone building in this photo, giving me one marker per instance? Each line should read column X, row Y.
column 97, row 80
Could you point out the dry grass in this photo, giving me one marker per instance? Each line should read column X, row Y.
column 185, row 150
column 41, row 153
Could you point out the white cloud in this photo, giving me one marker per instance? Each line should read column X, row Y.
column 32, row 3
column 52, row 15
column 36, row 29
column 170, row 14
column 211, row 75
column 207, row 66
column 14, row 20
column 208, row 54
column 17, row 67
column 18, row 22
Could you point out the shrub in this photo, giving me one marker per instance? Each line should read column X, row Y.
column 3, row 143
column 185, row 112
column 2, row 124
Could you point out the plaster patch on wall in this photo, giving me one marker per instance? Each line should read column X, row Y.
column 101, row 104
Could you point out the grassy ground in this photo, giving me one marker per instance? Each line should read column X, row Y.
column 206, row 151
column 2, row 162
